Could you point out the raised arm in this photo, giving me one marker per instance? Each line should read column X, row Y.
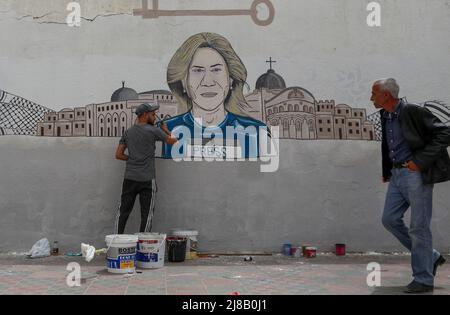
column 171, row 139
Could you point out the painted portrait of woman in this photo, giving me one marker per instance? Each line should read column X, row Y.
column 207, row 78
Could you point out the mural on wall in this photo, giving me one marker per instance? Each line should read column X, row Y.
column 440, row 110
column 19, row 116
column 109, row 119
column 206, row 84
column 206, row 78
column 155, row 12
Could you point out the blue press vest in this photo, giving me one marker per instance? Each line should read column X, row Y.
column 251, row 146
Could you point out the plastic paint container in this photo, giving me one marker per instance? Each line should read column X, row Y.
column 287, row 249
column 121, row 254
column 340, row 249
column 310, row 252
column 151, row 248
column 192, row 242
column 176, row 248
column 304, row 249
column 297, row 252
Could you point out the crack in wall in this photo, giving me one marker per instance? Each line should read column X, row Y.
column 105, row 15
column 34, row 17
column 57, row 11
column 64, row 23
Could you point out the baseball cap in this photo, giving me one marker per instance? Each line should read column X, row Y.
column 146, row 107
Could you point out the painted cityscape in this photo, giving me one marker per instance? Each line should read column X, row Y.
column 294, row 109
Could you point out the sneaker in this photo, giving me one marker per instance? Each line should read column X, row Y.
column 439, row 262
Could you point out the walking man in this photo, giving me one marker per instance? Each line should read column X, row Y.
column 139, row 176
column 415, row 157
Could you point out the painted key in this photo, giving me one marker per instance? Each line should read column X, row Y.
column 155, row 12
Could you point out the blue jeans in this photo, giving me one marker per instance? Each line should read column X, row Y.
column 406, row 189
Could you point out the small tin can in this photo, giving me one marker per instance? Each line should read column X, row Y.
column 55, row 248
column 340, row 249
column 297, row 252
column 304, row 249
column 287, row 249
column 310, row 252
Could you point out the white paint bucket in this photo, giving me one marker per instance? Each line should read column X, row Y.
column 151, row 250
column 121, row 253
column 192, row 242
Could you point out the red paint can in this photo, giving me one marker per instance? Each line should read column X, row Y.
column 304, row 249
column 310, row 252
column 340, row 249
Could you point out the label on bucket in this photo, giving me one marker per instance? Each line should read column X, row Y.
column 151, row 257
column 121, row 262
column 148, row 246
column 116, row 252
column 121, row 258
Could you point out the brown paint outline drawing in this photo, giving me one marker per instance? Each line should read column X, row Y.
column 294, row 109
column 19, row 116
column 155, row 12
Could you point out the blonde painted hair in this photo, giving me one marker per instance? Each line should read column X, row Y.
column 178, row 68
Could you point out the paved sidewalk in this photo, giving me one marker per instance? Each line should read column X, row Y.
column 224, row 275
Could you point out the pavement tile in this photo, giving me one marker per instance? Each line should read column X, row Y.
column 66, row 291
column 48, row 275
column 222, row 276
column 100, row 290
column 10, row 280
column 146, row 282
column 28, row 268
column 26, row 290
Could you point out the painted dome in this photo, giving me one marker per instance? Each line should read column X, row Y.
column 124, row 94
column 270, row 80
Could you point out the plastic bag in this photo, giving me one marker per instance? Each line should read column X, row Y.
column 40, row 249
column 88, row 251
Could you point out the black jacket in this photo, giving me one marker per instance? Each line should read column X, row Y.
column 428, row 139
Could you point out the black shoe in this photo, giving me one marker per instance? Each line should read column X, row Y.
column 416, row 287
column 439, row 262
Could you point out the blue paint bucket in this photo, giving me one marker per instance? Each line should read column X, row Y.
column 287, row 249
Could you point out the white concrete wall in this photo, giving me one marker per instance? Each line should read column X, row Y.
column 324, row 46
column 325, row 192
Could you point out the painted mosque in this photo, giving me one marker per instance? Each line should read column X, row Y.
column 109, row 119
column 293, row 109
